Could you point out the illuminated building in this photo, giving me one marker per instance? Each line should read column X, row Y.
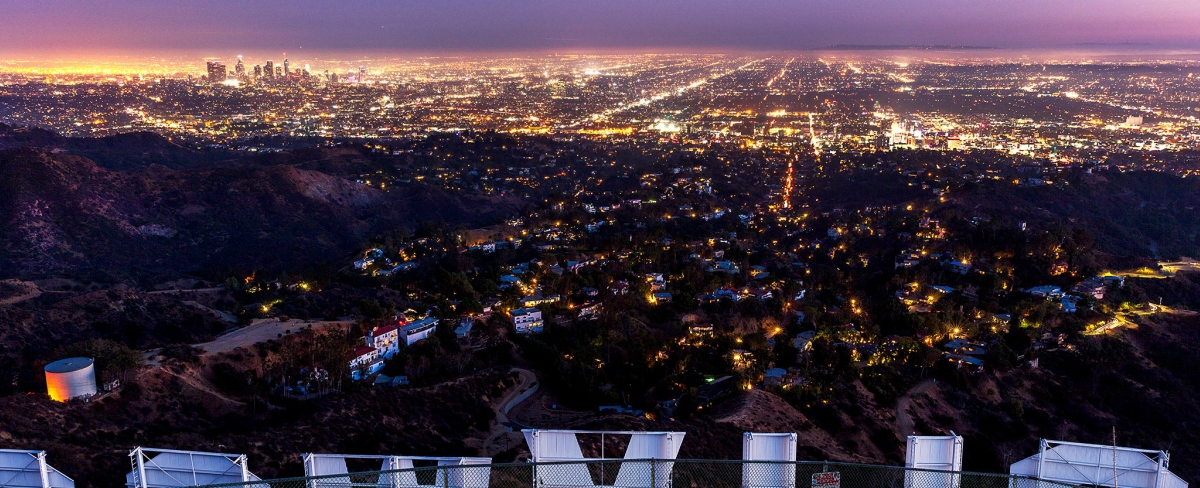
column 70, row 378
column 216, row 72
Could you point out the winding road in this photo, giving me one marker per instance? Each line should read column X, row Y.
column 495, row 443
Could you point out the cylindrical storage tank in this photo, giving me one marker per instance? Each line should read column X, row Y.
column 70, row 378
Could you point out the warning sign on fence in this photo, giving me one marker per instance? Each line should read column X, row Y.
column 831, row 479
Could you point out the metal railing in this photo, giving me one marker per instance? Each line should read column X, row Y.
column 653, row 473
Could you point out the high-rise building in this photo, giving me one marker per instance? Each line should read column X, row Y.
column 269, row 69
column 362, row 74
column 279, row 71
column 240, row 68
column 216, row 72
column 258, row 71
column 287, row 69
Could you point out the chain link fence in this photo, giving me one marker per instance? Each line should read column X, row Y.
column 681, row 473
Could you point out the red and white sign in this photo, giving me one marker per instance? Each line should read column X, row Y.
column 831, row 479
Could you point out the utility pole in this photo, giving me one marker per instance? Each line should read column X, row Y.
column 1114, row 439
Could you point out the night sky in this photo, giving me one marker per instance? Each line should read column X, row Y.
column 484, row 25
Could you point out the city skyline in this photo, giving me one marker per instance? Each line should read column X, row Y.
column 70, row 26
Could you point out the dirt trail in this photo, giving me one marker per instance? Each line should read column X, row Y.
column 263, row 331
column 31, row 291
column 904, row 421
column 501, row 436
column 202, row 386
column 193, row 290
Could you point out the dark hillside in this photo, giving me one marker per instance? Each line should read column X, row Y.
column 1144, row 213
column 65, row 214
column 122, row 152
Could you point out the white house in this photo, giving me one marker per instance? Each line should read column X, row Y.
column 364, row 361
column 385, row 340
column 527, row 320
column 417, row 329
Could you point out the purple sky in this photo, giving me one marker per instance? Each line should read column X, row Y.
column 492, row 25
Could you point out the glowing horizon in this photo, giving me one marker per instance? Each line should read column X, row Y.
column 182, row 63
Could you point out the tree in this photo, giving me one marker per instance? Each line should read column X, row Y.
column 113, row 359
column 785, row 352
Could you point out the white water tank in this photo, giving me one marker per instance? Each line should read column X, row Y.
column 70, row 378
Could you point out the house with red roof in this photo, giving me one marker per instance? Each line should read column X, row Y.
column 364, row 361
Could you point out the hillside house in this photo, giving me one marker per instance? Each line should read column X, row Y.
column 908, row 259
column 1048, row 292
column 959, row 267
column 803, row 341
column 463, row 331
column 964, row 348
column 416, row 330
column 535, row 300
column 589, row 310
column 364, row 361
column 527, row 320
column 620, row 287
column 385, row 340
column 774, row 377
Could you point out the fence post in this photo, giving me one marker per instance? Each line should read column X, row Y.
column 653, row 482
column 445, row 477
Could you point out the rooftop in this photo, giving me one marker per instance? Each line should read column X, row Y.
column 68, row 365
